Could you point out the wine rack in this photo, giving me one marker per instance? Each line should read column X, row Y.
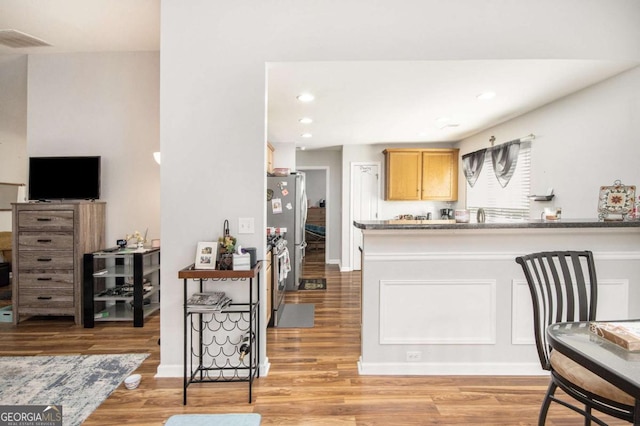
column 212, row 338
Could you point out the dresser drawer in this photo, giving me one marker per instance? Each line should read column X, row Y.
column 45, row 241
column 46, row 220
column 45, row 260
column 44, row 298
column 61, row 279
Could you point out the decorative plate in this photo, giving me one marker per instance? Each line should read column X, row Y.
column 618, row 199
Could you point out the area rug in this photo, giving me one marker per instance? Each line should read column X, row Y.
column 313, row 284
column 251, row 419
column 297, row 315
column 80, row 383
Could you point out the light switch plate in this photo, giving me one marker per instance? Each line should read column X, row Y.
column 246, row 225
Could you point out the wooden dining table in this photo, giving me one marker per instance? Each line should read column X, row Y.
column 608, row 360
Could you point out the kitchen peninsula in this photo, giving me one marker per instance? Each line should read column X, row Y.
column 448, row 298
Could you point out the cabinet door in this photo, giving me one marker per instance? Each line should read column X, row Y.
column 270, row 150
column 440, row 175
column 403, row 170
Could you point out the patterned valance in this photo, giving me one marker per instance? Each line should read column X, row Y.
column 472, row 164
column 504, row 158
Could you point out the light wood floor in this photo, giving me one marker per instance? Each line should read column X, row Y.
column 313, row 378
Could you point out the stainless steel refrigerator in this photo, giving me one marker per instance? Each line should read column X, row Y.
column 287, row 208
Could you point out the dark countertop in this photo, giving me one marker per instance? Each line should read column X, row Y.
column 530, row 224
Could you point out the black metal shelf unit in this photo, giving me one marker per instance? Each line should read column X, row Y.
column 122, row 285
column 212, row 338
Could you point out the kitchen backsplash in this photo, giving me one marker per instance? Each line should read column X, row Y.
column 393, row 209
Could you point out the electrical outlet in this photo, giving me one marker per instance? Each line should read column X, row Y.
column 246, row 225
column 413, row 356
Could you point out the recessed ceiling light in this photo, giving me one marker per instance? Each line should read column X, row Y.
column 302, row 148
column 447, row 125
column 305, row 120
column 306, row 135
column 443, row 119
column 305, row 97
column 486, row 96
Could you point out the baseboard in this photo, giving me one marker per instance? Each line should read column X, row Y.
column 166, row 371
column 450, row 369
column 171, row 371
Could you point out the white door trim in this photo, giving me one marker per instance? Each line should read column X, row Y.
column 353, row 165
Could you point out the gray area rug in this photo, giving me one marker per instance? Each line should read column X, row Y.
column 80, row 383
column 297, row 315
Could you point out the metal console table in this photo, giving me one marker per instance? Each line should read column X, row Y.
column 213, row 337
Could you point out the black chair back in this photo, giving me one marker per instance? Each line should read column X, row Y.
column 563, row 287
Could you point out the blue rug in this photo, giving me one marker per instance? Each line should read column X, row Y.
column 80, row 383
column 214, row 420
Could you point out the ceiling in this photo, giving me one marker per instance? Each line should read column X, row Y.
column 83, row 25
column 413, row 102
column 355, row 102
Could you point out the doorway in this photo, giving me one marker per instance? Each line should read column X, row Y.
column 317, row 229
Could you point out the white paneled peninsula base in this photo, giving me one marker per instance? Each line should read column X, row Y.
column 450, row 299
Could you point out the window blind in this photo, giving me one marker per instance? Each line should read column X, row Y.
column 508, row 203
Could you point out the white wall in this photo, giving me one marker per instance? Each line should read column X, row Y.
column 13, row 125
column 583, row 141
column 316, row 185
column 103, row 104
column 213, row 88
column 284, row 156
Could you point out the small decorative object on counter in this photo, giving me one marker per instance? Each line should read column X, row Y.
column 206, row 255
column 227, row 248
column 138, row 237
column 241, row 260
column 446, row 214
column 462, row 216
column 552, row 213
column 616, row 202
column 481, row 216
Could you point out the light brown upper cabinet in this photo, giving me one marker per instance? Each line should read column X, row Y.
column 421, row 174
column 270, row 150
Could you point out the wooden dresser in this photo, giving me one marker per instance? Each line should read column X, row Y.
column 49, row 241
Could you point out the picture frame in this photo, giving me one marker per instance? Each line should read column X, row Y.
column 616, row 202
column 206, row 255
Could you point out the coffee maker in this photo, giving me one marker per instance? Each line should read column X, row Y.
column 446, row 214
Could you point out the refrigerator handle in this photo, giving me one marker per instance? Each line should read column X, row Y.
column 305, row 206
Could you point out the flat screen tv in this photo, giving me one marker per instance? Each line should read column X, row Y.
column 64, row 178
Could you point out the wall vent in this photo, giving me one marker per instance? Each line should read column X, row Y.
column 17, row 39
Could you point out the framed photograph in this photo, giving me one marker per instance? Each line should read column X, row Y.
column 206, row 255
column 616, row 202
